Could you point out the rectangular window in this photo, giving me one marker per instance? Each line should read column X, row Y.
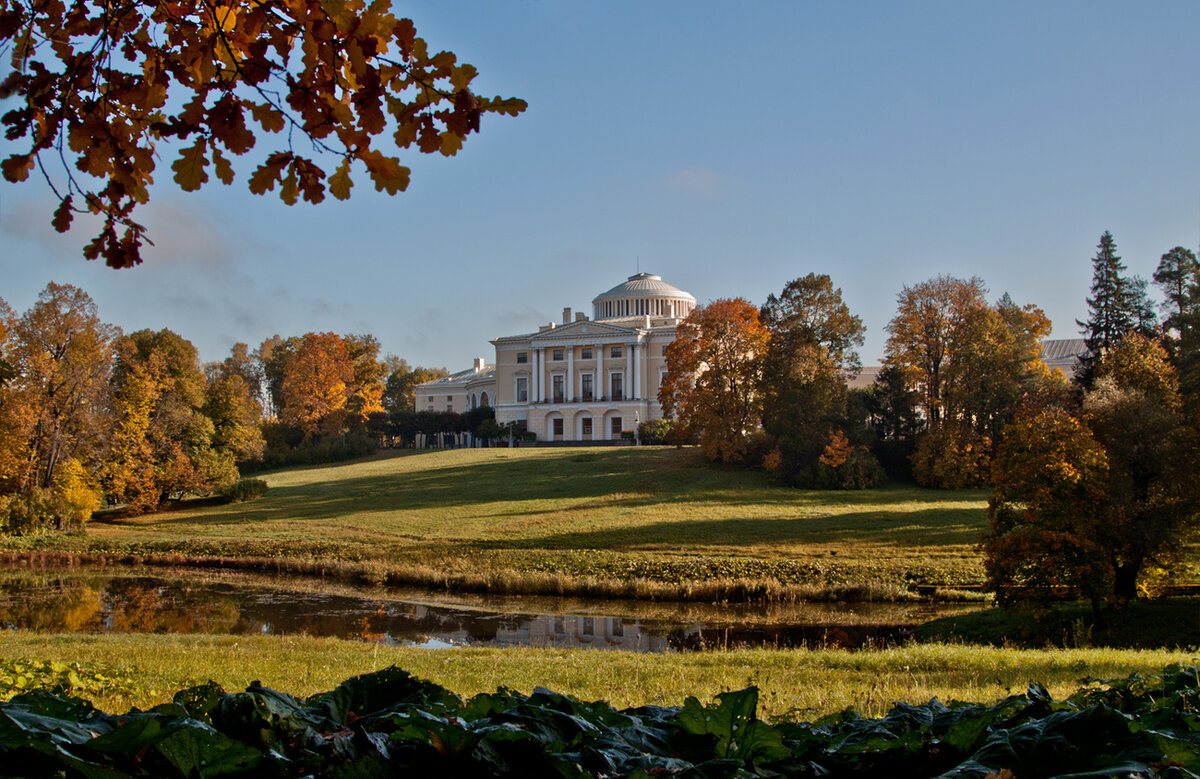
column 558, row 355
column 587, row 427
column 522, row 389
column 616, row 351
column 664, row 353
column 618, row 627
column 616, row 427
column 522, row 357
column 558, row 427
column 589, row 626
column 449, row 398
column 557, row 385
column 618, row 387
column 585, row 389
column 585, row 353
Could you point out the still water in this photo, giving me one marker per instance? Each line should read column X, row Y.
column 188, row 601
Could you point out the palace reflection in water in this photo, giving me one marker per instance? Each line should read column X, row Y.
column 187, row 602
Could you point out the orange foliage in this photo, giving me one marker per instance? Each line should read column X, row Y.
column 317, row 383
column 713, row 376
column 91, row 84
column 837, row 451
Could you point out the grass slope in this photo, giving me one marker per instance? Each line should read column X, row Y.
column 620, row 514
column 143, row 670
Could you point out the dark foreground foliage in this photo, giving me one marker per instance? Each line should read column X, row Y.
column 391, row 724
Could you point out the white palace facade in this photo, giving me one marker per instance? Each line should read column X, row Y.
column 582, row 379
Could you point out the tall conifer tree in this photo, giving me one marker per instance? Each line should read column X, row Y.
column 1110, row 307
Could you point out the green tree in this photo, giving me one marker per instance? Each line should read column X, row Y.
column 812, row 351
column 100, row 90
column 1178, row 276
column 399, row 393
column 1111, row 307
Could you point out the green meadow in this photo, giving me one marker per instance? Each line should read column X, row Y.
column 118, row 671
column 641, row 522
column 647, row 522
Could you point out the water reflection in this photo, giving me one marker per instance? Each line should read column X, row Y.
column 192, row 602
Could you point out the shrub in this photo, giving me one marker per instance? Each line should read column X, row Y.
column 655, row 431
column 245, row 490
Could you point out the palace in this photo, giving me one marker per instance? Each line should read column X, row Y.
column 580, row 380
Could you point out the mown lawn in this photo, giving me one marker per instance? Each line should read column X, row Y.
column 143, row 670
column 658, row 514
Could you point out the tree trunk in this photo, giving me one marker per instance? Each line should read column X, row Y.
column 1125, row 579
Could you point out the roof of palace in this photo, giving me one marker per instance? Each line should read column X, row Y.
column 644, row 285
column 461, row 378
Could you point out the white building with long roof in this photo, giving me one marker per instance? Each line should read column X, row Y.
column 584, row 379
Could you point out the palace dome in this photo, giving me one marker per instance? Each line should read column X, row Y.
column 644, row 294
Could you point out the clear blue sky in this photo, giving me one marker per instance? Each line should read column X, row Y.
column 728, row 146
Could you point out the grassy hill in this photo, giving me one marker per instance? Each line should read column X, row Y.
column 655, row 522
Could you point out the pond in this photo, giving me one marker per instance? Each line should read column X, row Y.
column 190, row 601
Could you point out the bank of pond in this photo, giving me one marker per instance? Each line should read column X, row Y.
column 132, row 600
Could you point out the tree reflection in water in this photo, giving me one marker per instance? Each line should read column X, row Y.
column 191, row 602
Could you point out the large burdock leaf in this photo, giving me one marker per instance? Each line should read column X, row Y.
column 739, row 734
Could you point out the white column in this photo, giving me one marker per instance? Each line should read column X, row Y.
column 637, row 373
column 629, row 370
column 537, row 375
column 599, row 390
column 570, row 375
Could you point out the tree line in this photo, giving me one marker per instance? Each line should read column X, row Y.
column 1094, row 477
column 90, row 415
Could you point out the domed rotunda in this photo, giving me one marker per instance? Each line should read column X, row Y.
column 644, row 294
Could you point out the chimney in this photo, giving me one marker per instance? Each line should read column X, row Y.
column 478, row 364
column 566, row 315
column 580, row 316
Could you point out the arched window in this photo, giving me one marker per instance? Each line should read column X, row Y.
column 483, row 399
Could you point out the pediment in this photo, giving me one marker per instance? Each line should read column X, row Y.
column 583, row 330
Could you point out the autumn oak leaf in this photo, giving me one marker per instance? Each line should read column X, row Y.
column 451, row 143
column 222, row 167
column 265, row 176
column 340, row 183
column 63, row 215
column 267, row 115
column 17, row 167
column 189, row 168
column 387, row 172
